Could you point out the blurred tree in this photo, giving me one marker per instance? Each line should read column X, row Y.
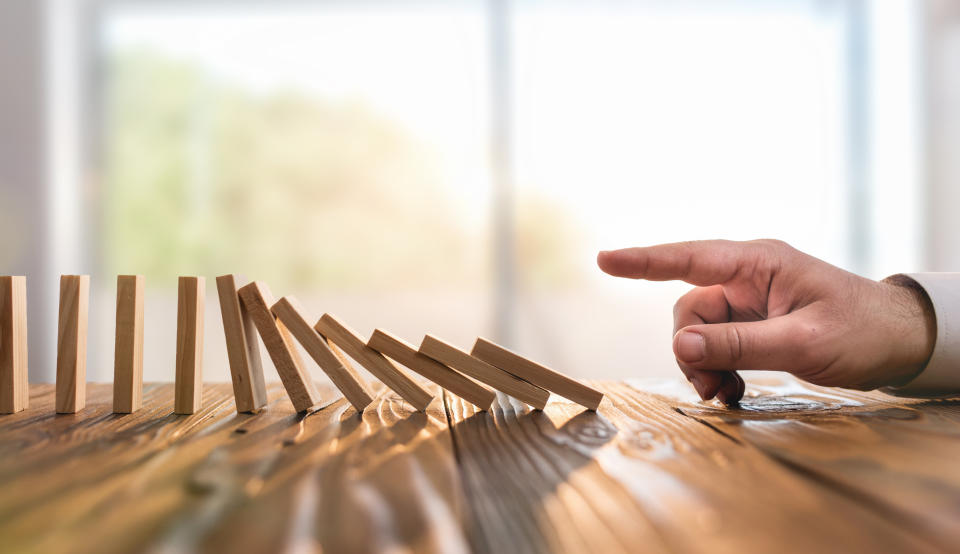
column 205, row 177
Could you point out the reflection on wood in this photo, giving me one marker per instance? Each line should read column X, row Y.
column 639, row 472
column 896, row 456
column 795, row 469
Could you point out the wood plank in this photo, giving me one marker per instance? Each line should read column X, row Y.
column 383, row 369
column 532, row 372
column 243, row 352
column 482, row 371
column 191, row 299
column 405, row 353
column 128, row 346
column 103, row 482
column 72, row 343
column 327, row 480
column 638, row 472
column 257, row 299
column 339, row 370
column 384, row 481
column 896, row 455
column 14, row 387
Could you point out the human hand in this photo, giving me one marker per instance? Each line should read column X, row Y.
column 764, row 305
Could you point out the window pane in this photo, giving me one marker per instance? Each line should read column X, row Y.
column 337, row 153
column 637, row 126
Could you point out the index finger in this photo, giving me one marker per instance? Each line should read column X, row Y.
column 702, row 263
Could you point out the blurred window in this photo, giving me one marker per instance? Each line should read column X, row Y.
column 345, row 152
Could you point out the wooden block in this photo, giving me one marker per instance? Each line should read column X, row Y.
column 257, row 299
column 72, row 343
column 14, row 389
column 406, row 354
column 381, row 368
column 243, row 352
column 484, row 372
column 189, row 382
column 340, row 371
column 128, row 347
column 530, row 371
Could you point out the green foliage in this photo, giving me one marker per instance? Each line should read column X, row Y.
column 204, row 178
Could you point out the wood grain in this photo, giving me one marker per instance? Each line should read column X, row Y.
column 14, row 387
column 534, row 373
column 257, row 299
column 405, row 353
column 339, row 370
column 482, row 371
column 277, row 481
column 72, row 343
column 189, row 371
column 128, row 345
column 243, row 352
column 897, row 456
column 795, row 469
column 383, row 369
column 638, row 475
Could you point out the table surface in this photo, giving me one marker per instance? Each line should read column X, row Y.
column 794, row 468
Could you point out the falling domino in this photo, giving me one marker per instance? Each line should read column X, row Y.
column 189, row 377
column 14, row 390
column 537, row 374
column 243, row 353
column 484, row 372
column 257, row 299
column 350, row 342
column 128, row 348
column 406, row 354
column 72, row 343
column 290, row 313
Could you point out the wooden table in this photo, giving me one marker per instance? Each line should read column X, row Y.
column 795, row 468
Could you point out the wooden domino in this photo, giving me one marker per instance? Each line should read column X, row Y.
column 243, row 352
column 340, row 371
column 482, row 371
column 257, row 299
column 530, row 371
column 383, row 369
column 128, row 346
column 189, row 377
column 14, row 389
column 72, row 343
column 406, row 354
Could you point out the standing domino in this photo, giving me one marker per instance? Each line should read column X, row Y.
column 189, row 378
column 128, row 349
column 72, row 343
column 14, row 389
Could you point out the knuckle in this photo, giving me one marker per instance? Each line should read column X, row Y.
column 775, row 244
column 775, row 248
column 684, row 304
column 734, row 340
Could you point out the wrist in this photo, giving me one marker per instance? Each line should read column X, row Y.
column 915, row 328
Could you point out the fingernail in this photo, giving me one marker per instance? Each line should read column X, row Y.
column 691, row 347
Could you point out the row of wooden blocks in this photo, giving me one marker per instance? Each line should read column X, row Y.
column 247, row 311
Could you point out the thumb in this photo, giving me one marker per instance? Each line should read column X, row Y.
column 782, row 343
